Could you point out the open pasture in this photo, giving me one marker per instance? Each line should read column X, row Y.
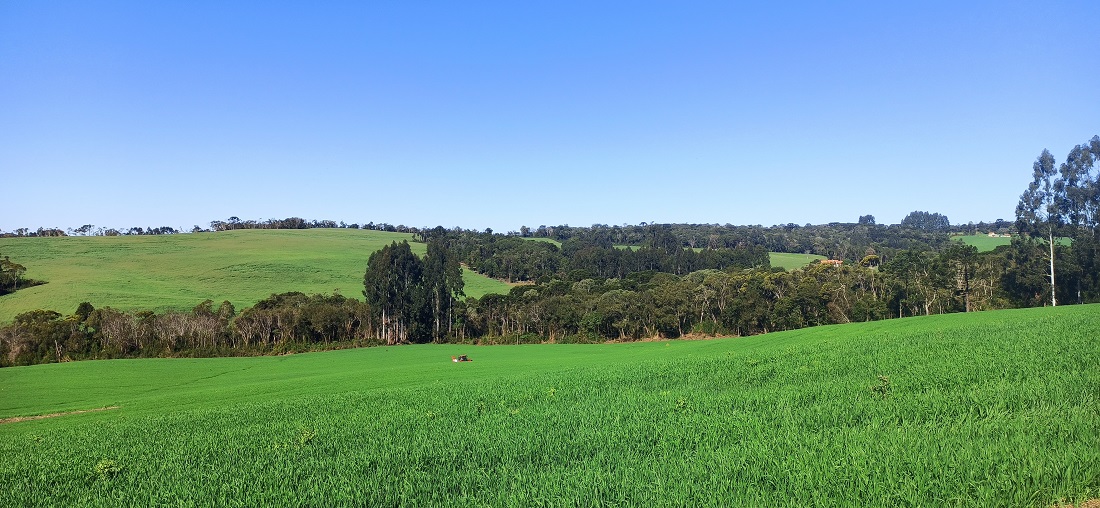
column 790, row 261
column 180, row 271
column 984, row 243
column 984, row 409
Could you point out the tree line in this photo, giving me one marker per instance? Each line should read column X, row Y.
column 516, row 259
column 409, row 299
column 837, row 240
column 231, row 223
column 593, row 289
column 1063, row 201
column 846, row 241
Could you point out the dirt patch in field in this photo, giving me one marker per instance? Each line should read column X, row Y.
column 1091, row 503
column 16, row 419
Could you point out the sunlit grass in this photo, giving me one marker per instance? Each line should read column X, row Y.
column 987, row 409
column 984, row 243
column 791, row 261
column 179, row 271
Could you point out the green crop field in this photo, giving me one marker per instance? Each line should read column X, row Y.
column 984, row 409
column 791, row 261
column 984, row 243
column 180, row 271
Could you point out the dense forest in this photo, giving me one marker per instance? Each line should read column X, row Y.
column 628, row 283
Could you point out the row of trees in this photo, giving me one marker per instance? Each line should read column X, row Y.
column 299, row 223
column 27, row 232
column 518, row 260
column 413, row 299
column 591, row 289
column 91, row 230
column 836, row 240
column 284, row 322
column 926, row 221
column 217, row 225
column 1063, row 201
column 734, row 302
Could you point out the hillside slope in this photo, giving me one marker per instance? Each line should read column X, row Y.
column 180, row 271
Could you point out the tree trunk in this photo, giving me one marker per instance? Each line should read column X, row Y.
column 1053, row 302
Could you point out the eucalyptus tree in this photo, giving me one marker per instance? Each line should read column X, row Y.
column 11, row 274
column 443, row 283
column 1038, row 211
column 1078, row 194
column 393, row 287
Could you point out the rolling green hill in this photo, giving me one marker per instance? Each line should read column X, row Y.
column 980, row 409
column 180, row 271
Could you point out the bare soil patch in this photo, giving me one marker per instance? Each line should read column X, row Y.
column 16, row 419
column 1091, row 503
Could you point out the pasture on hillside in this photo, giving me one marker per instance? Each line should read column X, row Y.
column 791, row 261
column 180, row 271
column 984, row 243
column 982, row 409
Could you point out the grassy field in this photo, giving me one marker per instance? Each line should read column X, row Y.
column 984, row 243
column 790, row 261
column 986, row 409
column 180, row 271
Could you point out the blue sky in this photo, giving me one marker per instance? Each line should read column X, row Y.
column 480, row 114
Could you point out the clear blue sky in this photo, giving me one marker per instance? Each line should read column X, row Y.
column 479, row 114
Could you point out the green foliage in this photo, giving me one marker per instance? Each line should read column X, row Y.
column 926, row 221
column 592, row 252
column 1063, row 200
column 394, row 290
column 11, row 276
column 987, row 409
